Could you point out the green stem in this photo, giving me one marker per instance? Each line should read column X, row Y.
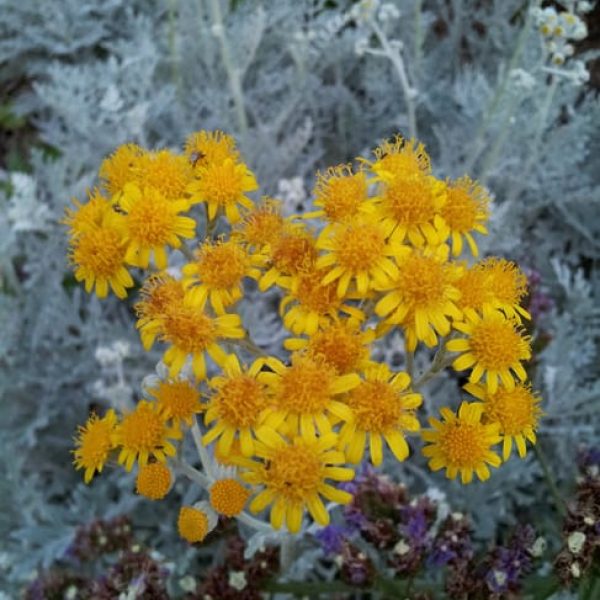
column 248, row 344
column 561, row 506
column 202, row 452
column 440, row 362
column 187, row 252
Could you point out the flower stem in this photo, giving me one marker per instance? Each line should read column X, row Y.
column 561, row 506
column 202, row 452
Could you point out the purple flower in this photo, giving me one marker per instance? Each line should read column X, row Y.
column 332, row 538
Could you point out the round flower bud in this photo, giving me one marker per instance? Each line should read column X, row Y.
column 154, row 481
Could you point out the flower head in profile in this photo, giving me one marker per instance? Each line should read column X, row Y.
column 260, row 228
column 94, row 444
column 384, row 409
column 293, row 475
column 204, row 148
column 358, row 254
column 166, row 172
column 178, row 400
column 399, row 157
column 494, row 347
column 422, row 296
column 152, row 223
column 154, row 480
column 121, row 167
column 474, row 291
column 195, row 522
column 237, row 403
column 217, row 274
column 517, row 411
column 462, row 443
column 306, row 395
column 506, row 285
column 98, row 254
column 144, row 433
column 223, row 187
column 465, row 211
column 87, row 216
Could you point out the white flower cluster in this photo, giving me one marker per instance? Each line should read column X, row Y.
column 558, row 29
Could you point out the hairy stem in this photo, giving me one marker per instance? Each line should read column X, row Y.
column 561, row 506
column 202, row 452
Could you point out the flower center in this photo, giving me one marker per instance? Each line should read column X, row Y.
column 315, row 296
column 221, row 183
column 228, row 497
column 339, row 347
column 473, row 292
column 192, row 524
column 153, row 481
column 100, row 251
column 178, row 398
column 460, row 210
column 293, row 253
column 341, row 194
column 376, row 406
column 305, row 385
column 295, row 472
column 514, row 410
column 421, row 280
column 409, row 200
column 505, row 280
column 496, row 345
column 142, row 430
column 462, row 444
column 151, row 220
column 262, row 226
column 159, row 293
column 190, row 330
column 359, row 247
column 222, row 265
column 165, row 172
column 240, row 400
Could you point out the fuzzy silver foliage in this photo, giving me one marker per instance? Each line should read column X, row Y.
column 302, row 85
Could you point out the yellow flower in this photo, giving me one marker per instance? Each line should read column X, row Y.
column 223, row 186
column 474, row 292
column 412, row 203
column 304, row 395
column 121, row 167
column 165, row 172
column 236, row 406
column 94, row 444
column 310, row 304
column 194, row 523
column 340, row 343
column 382, row 407
column 151, row 223
column 461, row 444
column 399, row 157
column 210, row 147
column 294, row 475
column 291, row 253
column 218, row 274
column 88, row 216
column 422, row 297
column 493, row 346
column 144, row 433
column 177, row 400
column 359, row 251
column 260, row 228
column 154, row 481
column 192, row 332
column 228, row 496
column 341, row 194
column 465, row 210
column 507, row 286
column 161, row 294
column 98, row 255
column 517, row 411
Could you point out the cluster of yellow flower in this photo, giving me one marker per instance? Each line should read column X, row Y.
column 382, row 255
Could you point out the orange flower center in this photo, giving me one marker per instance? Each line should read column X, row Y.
column 228, row 497
column 497, row 345
column 463, row 444
column 153, row 481
column 293, row 253
column 460, row 210
column 142, row 430
column 376, row 406
column 516, row 410
column 222, row 265
column 100, row 251
column 151, row 220
column 339, row 347
column 190, row 330
column 359, row 247
column 409, row 200
column 421, row 280
column 304, row 387
column 240, row 400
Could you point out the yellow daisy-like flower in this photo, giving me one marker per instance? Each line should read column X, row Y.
column 399, row 156
column 218, row 274
column 161, row 294
column 517, row 411
column 507, row 286
column 236, row 406
column 154, row 481
column 168, row 173
column 383, row 408
column 144, row 433
column 87, row 216
column 292, row 252
column 359, row 251
column 194, row 523
column 461, row 444
column 121, row 167
column 177, row 400
column 304, row 395
column 223, row 186
column 341, row 194
column 465, row 210
column 493, row 347
column 310, row 304
column 412, row 203
column 98, row 255
column 474, row 292
column 340, row 343
column 210, row 147
column 94, row 443
column 422, row 295
column 293, row 474
column 228, row 496
column 260, row 228
column 151, row 224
